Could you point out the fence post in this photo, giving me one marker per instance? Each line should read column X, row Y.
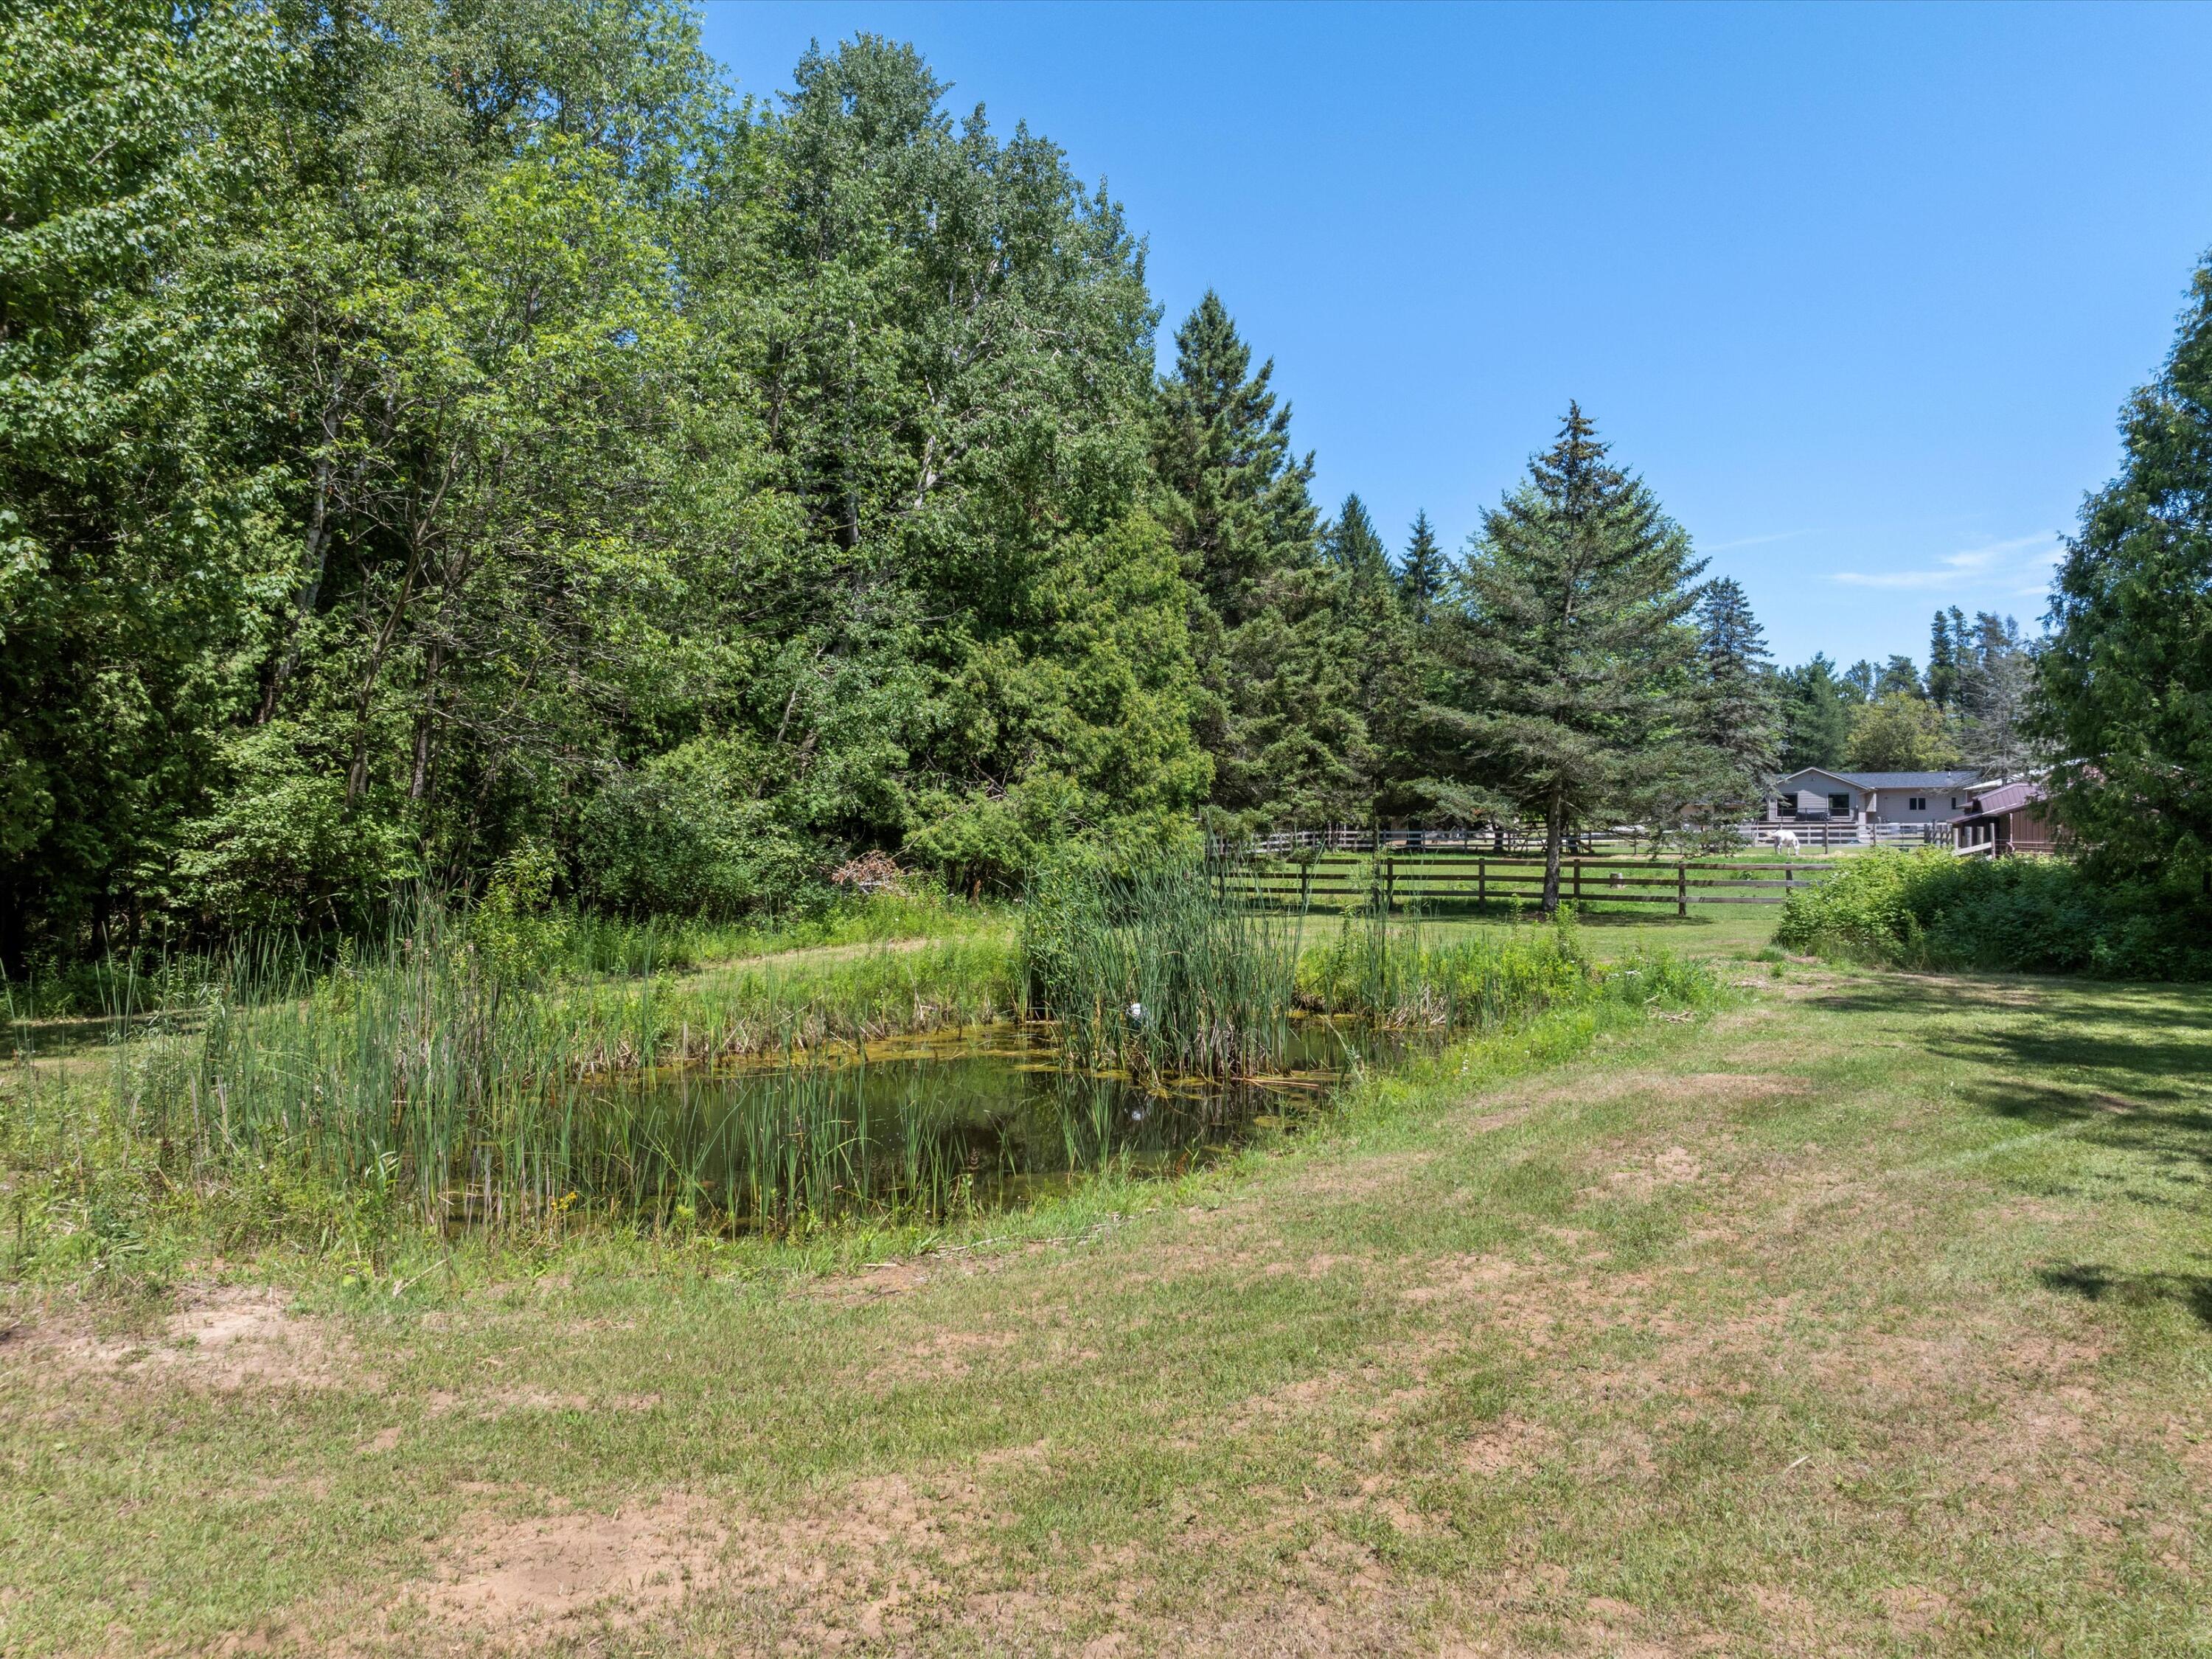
column 1390, row 885
column 1579, row 881
column 1681, row 887
column 1481, row 883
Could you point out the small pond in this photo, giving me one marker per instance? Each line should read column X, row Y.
column 943, row 1124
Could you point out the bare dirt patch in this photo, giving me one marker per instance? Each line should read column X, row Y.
column 521, row 1575
column 499, row 1402
column 1509, row 1447
column 222, row 1337
column 1674, row 1167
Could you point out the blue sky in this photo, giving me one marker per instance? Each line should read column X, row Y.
column 1859, row 289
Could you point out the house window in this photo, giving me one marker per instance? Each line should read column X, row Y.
column 1916, row 803
column 1954, row 803
column 1841, row 804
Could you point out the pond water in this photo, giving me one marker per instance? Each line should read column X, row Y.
column 942, row 1124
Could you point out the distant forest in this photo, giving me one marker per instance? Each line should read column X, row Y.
column 1968, row 708
column 438, row 432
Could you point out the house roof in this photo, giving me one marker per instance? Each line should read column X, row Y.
column 1891, row 779
column 2005, row 797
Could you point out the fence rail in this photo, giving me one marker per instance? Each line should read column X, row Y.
column 1398, row 880
column 1503, row 841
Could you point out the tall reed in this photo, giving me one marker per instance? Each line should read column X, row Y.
column 1392, row 973
column 1159, row 969
column 423, row 1067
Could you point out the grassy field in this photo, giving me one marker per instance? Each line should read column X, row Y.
column 1870, row 1316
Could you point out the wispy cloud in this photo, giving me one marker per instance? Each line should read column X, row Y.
column 1994, row 564
column 1755, row 541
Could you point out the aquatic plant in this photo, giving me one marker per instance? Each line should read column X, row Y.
column 1159, row 969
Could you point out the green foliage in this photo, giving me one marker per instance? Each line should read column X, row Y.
column 1929, row 908
column 2125, row 683
column 1567, row 655
column 1735, row 721
column 1421, row 573
column 1278, row 627
column 1898, row 732
column 1157, row 968
column 1816, row 713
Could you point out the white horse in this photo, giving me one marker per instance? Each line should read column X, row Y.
column 1785, row 840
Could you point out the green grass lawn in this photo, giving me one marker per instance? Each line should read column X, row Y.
column 1873, row 1315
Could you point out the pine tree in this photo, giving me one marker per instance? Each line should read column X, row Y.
column 1899, row 677
column 1737, row 720
column 1354, row 546
column 2125, row 686
column 1942, row 663
column 1571, row 650
column 1241, row 513
column 1816, row 713
column 1421, row 572
column 1996, row 674
column 1279, row 694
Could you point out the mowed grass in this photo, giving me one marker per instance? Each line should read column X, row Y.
column 1869, row 1316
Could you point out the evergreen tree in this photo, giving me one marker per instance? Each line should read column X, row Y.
column 1737, row 718
column 1858, row 681
column 1997, row 673
column 2125, row 686
column 1240, row 513
column 1279, row 693
column 1355, row 549
column 1421, row 573
column 1899, row 677
column 1569, row 652
column 1816, row 715
column 1943, row 661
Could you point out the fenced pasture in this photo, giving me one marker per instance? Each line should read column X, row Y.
column 1439, row 881
column 1829, row 835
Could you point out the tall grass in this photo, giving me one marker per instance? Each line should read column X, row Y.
column 1157, row 971
column 427, row 1070
column 1395, row 975
column 1170, row 969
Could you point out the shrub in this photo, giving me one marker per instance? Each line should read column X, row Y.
column 1929, row 908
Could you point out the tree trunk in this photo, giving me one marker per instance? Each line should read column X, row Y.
column 1554, row 824
column 15, row 941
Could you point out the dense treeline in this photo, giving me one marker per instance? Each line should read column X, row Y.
column 1969, row 707
column 437, row 430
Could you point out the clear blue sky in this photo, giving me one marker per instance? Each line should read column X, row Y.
column 1859, row 289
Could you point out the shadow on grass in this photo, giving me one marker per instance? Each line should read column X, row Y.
column 2129, row 1065
column 2095, row 1282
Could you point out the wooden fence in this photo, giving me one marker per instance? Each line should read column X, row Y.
column 1827, row 834
column 1436, row 878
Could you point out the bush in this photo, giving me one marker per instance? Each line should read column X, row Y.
column 683, row 835
column 1932, row 910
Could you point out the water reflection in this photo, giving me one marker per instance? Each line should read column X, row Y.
column 945, row 1123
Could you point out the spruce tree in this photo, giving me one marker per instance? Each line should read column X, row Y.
column 1240, row 510
column 1899, row 677
column 1421, row 572
column 1354, row 546
column 1279, row 703
column 1996, row 671
column 1570, row 651
column 1816, row 713
column 1737, row 721
column 1942, row 663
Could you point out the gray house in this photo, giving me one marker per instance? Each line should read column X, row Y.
column 1814, row 792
